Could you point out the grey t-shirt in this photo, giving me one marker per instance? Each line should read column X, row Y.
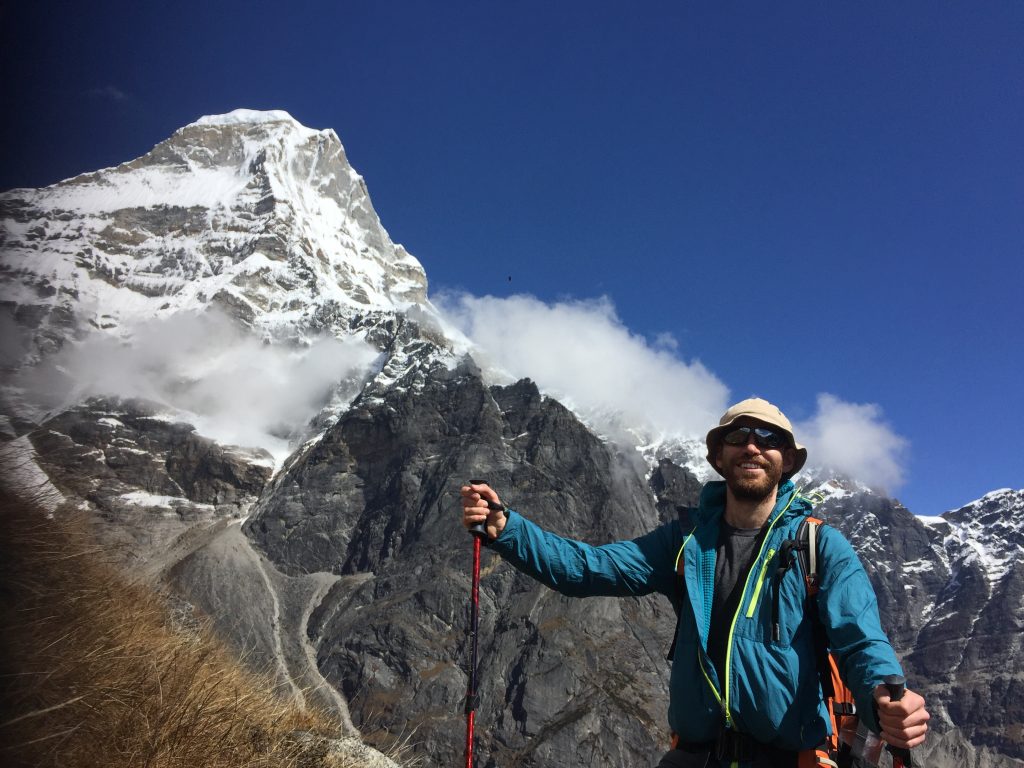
column 737, row 548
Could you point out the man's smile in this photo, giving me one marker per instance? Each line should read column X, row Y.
column 751, row 465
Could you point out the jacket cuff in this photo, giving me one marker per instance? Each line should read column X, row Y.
column 502, row 544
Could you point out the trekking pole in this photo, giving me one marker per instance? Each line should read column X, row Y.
column 479, row 532
column 897, row 686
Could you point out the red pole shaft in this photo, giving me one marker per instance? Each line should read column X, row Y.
column 469, row 739
column 474, row 626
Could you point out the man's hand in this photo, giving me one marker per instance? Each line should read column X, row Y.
column 475, row 509
column 904, row 722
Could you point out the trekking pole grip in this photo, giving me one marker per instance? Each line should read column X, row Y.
column 897, row 686
column 480, row 529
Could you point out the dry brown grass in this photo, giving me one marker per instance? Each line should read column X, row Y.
column 93, row 674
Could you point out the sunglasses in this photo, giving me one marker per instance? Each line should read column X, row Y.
column 763, row 438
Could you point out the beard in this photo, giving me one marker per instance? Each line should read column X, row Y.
column 755, row 489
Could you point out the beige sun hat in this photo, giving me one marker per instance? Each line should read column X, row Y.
column 763, row 411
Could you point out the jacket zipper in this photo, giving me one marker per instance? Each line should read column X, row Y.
column 759, row 584
column 724, row 700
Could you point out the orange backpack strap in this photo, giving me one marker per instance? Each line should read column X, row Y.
column 838, row 697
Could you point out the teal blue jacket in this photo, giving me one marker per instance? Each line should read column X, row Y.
column 771, row 689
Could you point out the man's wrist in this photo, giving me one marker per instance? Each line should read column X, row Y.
column 507, row 515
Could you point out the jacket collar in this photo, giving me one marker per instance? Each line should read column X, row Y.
column 712, row 502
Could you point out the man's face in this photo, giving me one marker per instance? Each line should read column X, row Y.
column 753, row 473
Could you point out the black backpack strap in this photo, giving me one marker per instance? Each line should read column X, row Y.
column 807, row 535
column 804, row 550
column 790, row 551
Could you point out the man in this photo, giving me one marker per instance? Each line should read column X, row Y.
column 737, row 687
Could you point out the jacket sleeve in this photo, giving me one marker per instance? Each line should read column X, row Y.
column 849, row 609
column 625, row 568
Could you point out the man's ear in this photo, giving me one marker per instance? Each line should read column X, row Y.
column 718, row 456
column 788, row 459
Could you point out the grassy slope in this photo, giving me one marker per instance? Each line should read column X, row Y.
column 93, row 672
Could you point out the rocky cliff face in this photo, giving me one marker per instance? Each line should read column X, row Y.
column 342, row 568
column 950, row 595
column 148, row 476
column 971, row 648
column 563, row 681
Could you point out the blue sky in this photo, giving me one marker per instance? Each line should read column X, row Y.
column 808, row 198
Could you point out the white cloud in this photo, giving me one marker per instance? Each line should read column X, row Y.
column 853, row 439
column 236, row 389
column 580, row 353
column 241, row 391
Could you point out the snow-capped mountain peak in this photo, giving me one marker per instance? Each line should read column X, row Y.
column 244, row 116
column 205, row 276
column 249, row 211
column 989, row 531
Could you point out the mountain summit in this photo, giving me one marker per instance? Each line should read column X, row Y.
column 250, row 212
column 169, row 321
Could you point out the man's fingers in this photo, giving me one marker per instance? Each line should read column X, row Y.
column 895, row 713
column 481, row 491
column 475, row 507
column 901, row 728
column 897, row 721
column 471, row 495
column 474, row 491
column 904, row 723
column 906, row 739
column 473, row 516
